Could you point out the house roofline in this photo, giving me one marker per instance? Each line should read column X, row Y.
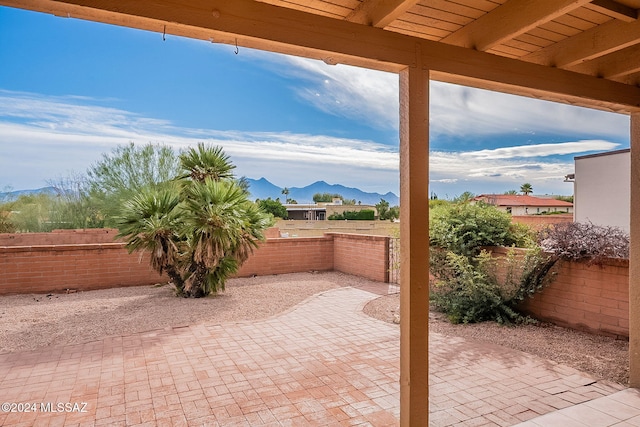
column 606, row 153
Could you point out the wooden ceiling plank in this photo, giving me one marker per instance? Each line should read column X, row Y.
column 509, row 20
column 379, row 13
column 484, row 5
column 614, row 10
column 452, row 7
column 574, row 22
column 604, row 39
column 547, row 34
column 534, row 40
column 591, row 15
column 442, row 15
column 277, row 29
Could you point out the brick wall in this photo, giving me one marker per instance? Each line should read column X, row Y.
column 56, row 268
column 361, row 255
column 39, row 268
column 591, row 298
column 290, row 255
column 540, row 221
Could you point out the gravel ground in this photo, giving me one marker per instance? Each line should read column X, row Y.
column 30, row 322
column 601, row 356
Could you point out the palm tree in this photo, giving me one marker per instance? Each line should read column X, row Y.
column 526, row 189
column 201, row 229
column 285, row 191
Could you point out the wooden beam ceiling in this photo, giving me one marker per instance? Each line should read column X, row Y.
column 510, row 20
column 379, row 13
column 593, row 43
column 616, row 66
column 264, row 26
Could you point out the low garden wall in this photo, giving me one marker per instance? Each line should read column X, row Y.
column 28, row 264
column 593, row 298
column 541, row 221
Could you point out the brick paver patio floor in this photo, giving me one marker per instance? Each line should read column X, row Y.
column 322, row 363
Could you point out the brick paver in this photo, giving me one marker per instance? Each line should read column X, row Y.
column 322, row 363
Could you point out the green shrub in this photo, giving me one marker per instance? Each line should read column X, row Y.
column 464, row 228
column 469, row 284
column 363, row 215
column 471, row 290
column 273, row 207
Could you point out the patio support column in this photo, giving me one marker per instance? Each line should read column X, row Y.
column 634, row 256
column 414, row 246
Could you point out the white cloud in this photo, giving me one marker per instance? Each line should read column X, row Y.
column 542, row 150
column 372, row 97
column 53, row 135
column 45, row 137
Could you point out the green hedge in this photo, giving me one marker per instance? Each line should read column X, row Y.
column 363, row 215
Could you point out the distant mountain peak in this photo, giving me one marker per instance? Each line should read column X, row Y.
column 263, row 189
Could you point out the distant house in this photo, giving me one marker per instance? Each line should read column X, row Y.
column 517, row 204
column 602, row 188
column 322, row 211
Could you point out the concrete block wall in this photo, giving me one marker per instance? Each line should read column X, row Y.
column 361, row 255
column 593, row 298
column 41, row 268
column 541, row 221
column 289, row 255
column 57, row 268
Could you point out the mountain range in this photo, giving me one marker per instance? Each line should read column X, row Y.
column 263, row 189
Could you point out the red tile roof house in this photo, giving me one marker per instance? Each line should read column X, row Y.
column 517, row 204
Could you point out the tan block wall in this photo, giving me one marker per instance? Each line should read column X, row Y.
column 49, row 268
column 361, row 255
column 590, row 298
column 56, row 268
column 539, row 221
column 291, row 255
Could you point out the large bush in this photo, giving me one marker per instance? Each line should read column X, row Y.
column 470, row 285
column 464, row 228
column 484, row 287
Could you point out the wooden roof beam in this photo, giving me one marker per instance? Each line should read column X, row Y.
column 591, row 44
column 511, row 19
column 379, row 13
column 614, row 66
column 614, row 9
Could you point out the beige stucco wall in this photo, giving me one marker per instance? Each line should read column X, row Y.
column 602, row 189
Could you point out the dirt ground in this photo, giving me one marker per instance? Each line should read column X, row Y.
column 601, row 356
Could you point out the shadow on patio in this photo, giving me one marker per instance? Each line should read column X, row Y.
column 321, row 363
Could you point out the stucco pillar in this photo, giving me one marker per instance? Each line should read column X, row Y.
column 634, row 256
column 414, row 247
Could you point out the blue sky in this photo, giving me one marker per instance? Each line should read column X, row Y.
column 71, row 90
